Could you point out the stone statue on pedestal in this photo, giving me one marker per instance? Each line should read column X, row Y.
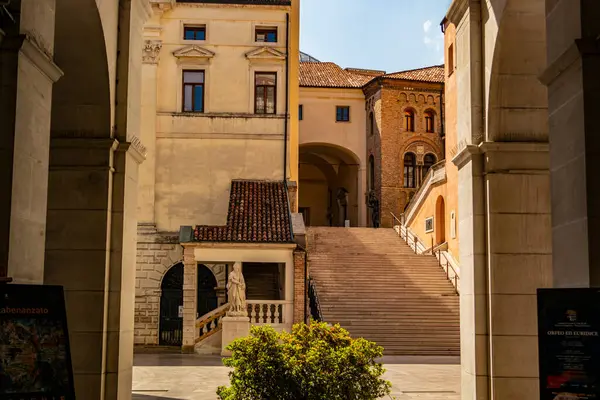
column 236, row 291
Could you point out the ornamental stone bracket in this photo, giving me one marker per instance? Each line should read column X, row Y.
column 151, row 51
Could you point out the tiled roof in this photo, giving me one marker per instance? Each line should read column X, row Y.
column 330, row 75
column 428, row 74
column 258, row 213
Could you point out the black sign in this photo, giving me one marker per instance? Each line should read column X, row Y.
column 569, row 343
column 35, row 359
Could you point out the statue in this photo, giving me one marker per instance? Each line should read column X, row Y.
column 342, row 200
column 373, row 204
column 236, row 290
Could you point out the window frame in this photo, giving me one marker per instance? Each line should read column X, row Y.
column 427, row 167
column 266, row 30
column 183, row 86
column 265, row 93
column 371, row 124
column 337, row 108
column 195, row 27
column 406, row 175
column 409, row 115
column 300, row 112
column 429, row 119
column 451, row 61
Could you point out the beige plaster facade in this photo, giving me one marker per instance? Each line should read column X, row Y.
column 332, row 155
column 192, row 156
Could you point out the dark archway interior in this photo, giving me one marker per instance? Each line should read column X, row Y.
column 171, row 299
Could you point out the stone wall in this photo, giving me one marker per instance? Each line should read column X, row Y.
column 156, row 254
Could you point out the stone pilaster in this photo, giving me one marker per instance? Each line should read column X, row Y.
column 190, row 297
column 300, row 293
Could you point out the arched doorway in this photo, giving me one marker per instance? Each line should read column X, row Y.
column 171, row 299
column 440, row 218
column 207, row 295
column 329, row 177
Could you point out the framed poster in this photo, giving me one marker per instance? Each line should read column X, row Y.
column 569, row 343
column 35, row 358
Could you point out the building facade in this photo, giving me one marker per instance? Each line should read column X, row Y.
column 219, row 106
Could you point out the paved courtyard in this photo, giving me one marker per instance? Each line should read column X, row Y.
column 191, row 377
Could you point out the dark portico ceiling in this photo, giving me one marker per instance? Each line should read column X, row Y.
column 252, row 2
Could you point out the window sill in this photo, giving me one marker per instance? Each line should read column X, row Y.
column 342, row 122
column 193, row 41
column 275, row 44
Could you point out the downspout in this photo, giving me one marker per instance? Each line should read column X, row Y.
column 442, row 107
column 287, row 98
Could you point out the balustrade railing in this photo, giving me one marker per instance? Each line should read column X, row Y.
column 209, row 324
column 448, row 268
column 315, row 305
column 267, row 312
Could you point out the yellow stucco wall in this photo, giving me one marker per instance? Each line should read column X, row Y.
column 448, row 190
column 192, row 157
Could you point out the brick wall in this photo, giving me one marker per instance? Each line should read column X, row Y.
column 300, row 293
column 392, row 141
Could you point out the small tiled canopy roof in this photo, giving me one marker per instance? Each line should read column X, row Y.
column 258, row 213
column 428, row 74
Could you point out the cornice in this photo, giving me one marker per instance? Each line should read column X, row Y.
column 457, row 11
column 578, row 49
column 40, row 59
column 193, row 53
column 265, row 53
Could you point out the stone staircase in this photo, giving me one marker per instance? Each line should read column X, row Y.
column 373, row 284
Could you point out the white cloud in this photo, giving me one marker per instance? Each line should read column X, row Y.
column 427, row 40
column 427, row 26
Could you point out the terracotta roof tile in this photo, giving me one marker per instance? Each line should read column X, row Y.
column 330, row 75
column 258, row 213
column 428, row 74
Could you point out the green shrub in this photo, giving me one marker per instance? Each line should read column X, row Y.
column 314, row 362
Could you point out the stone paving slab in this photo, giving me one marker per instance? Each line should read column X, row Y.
column 191, row 377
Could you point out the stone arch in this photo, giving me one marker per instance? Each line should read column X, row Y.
column 403, row 97
column 412, row 98
column 516, row 99
column 410, row 119
column 421, row 99
column 440, row 220
column 421, row 146
column 430, row 100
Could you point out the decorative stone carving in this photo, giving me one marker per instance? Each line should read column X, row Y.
column 151, row 51
column 193, row 54
column 236, row 290
column 265, row 53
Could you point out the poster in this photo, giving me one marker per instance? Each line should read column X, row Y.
column 35, row 361
column 569, row 343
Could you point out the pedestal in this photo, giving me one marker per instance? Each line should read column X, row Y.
column 233, row 328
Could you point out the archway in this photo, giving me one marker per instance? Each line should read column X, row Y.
column 170, row 328
column 330, row 186
column 440, row 221
column 206, row 294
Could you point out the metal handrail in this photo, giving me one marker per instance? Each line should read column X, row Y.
column 447, row 267
column 409, row 237
column 315, row 304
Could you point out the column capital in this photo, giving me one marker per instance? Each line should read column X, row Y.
column 151, row 51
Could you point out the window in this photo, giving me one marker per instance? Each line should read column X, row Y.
column 265, row 35
column 371, row 172
column 194, row 32
column 428, row 162
column 429, row 122
column 429, row 225
column 371, row 124
column 265, row 94
column 300, row 112
column 451, row 59
column 193, row 91
column 409, row 117
column 342, row 114
column 453, row 225
column 410, row 161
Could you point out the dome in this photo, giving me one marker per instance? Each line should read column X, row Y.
column 307, row 58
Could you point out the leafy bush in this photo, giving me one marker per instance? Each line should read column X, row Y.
column 314, row 362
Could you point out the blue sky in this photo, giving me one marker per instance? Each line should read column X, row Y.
column 390, row 35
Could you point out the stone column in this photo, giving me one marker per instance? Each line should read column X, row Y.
column 190, row 298
column 289, row 290
column 573, row 102
column 151, row 52
column 26, row 81
column 362, row 193
column 504, row 201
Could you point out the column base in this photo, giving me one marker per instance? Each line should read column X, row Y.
column 233, row 328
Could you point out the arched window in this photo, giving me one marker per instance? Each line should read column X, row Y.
column 409, row 119
column 429, row 121
column 371, row 124
column 410, row 163
column 428, row 162
column 371, row 172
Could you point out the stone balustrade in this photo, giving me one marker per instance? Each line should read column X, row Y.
column 268, row 312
